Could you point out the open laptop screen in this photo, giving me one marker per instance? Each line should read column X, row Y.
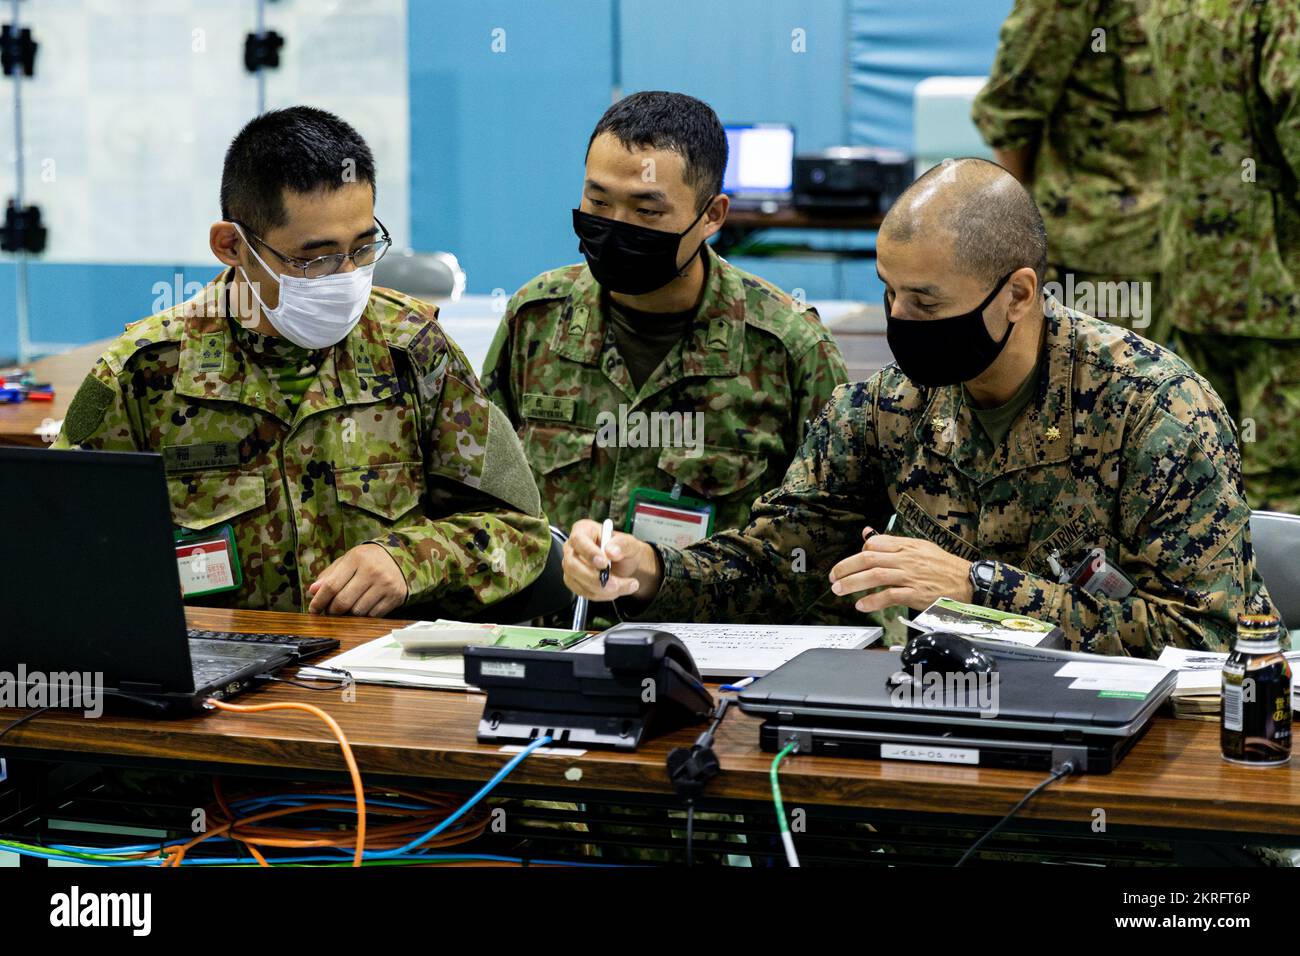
column 760, row 161
column 94, row 586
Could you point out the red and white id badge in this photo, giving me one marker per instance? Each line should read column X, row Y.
column 667, row 522
column 207, row 562
column 1096, row 575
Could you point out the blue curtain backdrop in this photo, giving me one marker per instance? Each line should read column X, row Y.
column 497, row 138
column 894, row 44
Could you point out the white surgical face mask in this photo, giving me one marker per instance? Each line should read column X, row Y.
column 315, row 313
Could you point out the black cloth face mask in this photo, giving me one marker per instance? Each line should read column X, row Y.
column 945, row 351
column 628, row 258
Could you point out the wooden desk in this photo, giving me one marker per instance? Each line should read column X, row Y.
column 18, row 423
column 743, row 224
column 1173, row 780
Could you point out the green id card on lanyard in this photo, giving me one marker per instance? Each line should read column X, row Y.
column 207, row 561
column 661, row 518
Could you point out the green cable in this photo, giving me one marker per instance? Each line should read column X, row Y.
column 776, row 786
column 60, row 853
column 787, row 841
column 93, row 857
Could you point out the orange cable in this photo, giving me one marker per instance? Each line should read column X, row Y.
column 348, row 758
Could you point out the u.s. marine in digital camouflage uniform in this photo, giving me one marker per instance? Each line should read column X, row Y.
column 1122, row 447
column 1230, row 70
column 1073, row 86
column 755, row 364
column 393, row 443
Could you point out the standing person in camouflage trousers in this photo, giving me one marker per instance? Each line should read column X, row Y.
column 1072, row 110
column 332, row 429
column 1010, row 439
column 657, row 365
column 1230, row 70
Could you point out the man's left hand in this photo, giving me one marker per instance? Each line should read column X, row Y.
column 909, row 571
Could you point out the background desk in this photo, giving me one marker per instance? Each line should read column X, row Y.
column 18, row 422
column 1172, row 787
column 737, row 235
column 471, row 321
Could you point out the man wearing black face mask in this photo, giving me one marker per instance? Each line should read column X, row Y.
column 1013, row 442
column 657, row 385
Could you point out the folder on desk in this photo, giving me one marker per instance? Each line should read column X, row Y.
column 385, row 661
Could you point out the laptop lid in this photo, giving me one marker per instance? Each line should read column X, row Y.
column 848, row 684
column 91, row 585
column 760, row 161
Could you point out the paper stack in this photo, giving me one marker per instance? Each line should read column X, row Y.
column 1198, row 695
column 386, row 661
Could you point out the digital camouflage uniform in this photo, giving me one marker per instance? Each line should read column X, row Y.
column 1230, row 70
column 1075, row 77
column 755, row 364
column 393, row 443
column 1123, row 447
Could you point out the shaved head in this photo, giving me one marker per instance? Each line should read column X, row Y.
column 981, row 211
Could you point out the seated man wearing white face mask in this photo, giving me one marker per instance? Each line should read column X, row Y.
column 327, row 429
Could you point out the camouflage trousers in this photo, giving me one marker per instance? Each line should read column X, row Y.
column 1259, row 382
column 1132, row 301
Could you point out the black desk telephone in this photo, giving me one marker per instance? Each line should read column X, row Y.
column 614, row 690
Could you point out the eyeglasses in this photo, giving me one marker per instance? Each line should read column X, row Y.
column 366, row 255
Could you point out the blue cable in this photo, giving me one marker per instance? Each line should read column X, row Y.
column 227, row 861
column 37, row 854
column 468, row 804
column 294, row 799
column 217, row 861
column 400, row 852
column 109, row 851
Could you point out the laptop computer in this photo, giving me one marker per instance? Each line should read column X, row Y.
column 842, row 703
column 760, row 165
column 92, row 587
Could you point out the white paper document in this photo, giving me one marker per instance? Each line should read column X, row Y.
column 750, row 650
column 1106, row 675
column 383, row 661
column 1201, row 672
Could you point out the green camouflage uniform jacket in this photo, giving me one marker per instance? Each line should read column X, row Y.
column 1230, row 71
column 394, row 443
column 1090, row 100
column 753, row 370
column 1124, row 447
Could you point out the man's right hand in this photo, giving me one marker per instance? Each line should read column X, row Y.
column 633, row 565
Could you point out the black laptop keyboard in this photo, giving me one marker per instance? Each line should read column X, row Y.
column 302, row 647
column 210, row 672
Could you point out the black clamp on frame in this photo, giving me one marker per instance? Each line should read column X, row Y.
column 17, row 49
column 22, row 231
column 262, row 50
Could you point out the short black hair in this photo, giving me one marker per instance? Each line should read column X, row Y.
column 994, row 221
column 299, row 148
column 676, row 122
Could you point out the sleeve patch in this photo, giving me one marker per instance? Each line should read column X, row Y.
column 506, row 474
column 87, row 409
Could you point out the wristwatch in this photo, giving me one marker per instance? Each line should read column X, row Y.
column 982, row 574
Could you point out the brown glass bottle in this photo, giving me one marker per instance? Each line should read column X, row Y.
column 1256, row 723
